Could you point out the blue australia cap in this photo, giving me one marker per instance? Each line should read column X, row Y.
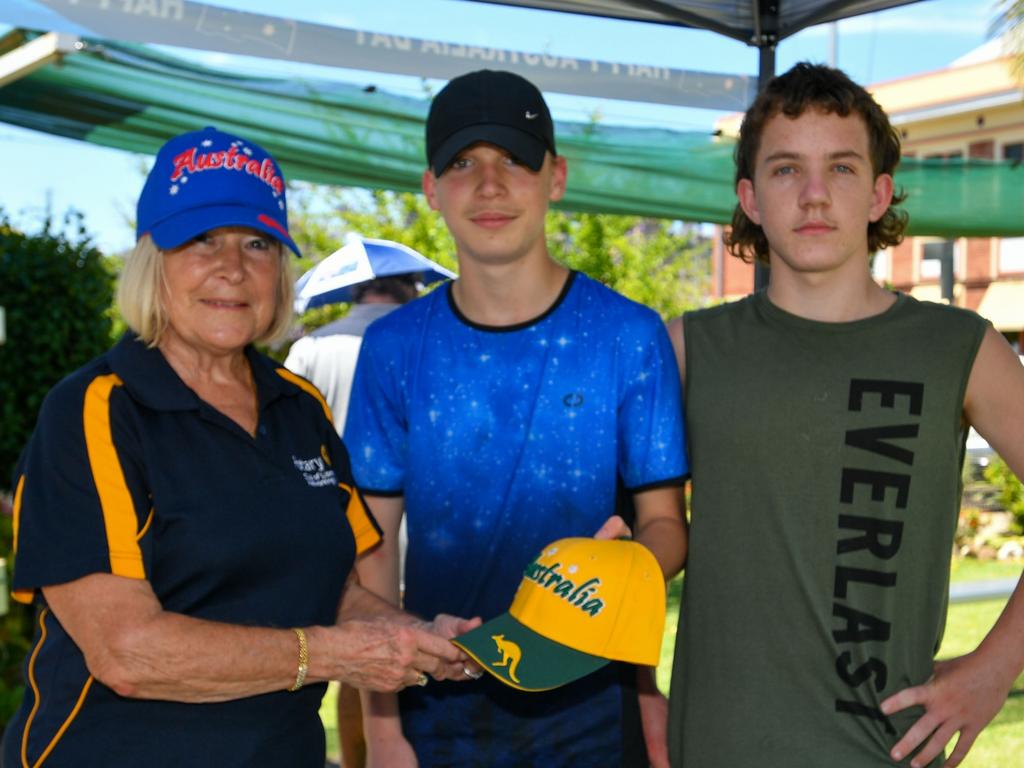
column 207, row 179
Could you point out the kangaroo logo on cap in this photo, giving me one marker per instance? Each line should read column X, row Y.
column 581, row 603
column 511, row 655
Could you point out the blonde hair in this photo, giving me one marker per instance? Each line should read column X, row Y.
column 139, row 292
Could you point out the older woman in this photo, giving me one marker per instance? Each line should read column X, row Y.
column 185, row 519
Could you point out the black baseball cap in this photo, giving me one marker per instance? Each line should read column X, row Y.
column 500, row 108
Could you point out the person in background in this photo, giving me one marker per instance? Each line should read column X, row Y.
column 185, row 520
column 827, row 418
column 327, row 357
column 516, row 405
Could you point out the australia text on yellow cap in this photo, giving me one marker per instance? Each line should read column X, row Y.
column 581, row 603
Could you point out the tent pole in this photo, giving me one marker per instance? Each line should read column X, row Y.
column 766, row 42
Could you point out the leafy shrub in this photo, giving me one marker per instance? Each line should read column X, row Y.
column 1011, row 491
column 57, row 293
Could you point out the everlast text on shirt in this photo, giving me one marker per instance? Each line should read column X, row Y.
column 870, row 504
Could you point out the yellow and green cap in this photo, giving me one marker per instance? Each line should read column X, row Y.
column 581, row 603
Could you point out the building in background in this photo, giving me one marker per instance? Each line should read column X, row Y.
column 972, row 109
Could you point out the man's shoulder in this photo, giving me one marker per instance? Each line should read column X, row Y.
column 932, row 310
column 308, row 347
column 725, row 310
column 70, row 390
column 355, row 323
column 94, row 388
column 597, row 297
column 340, row 327
column 409, row 315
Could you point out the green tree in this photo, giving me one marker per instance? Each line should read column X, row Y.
column 656, row 262
column 57, row 292
column 1009, row 21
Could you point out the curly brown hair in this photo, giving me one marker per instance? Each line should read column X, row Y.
column 815, row 86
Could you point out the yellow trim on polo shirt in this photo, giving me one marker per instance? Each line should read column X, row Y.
column 20, row 595
column 364, row 531
column 306, row 386
column 35, row 707
column 119, row 517
column 145, row 525
column 16, row 519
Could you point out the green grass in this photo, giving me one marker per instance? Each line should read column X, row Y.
column 966, row 626
column 971, row 569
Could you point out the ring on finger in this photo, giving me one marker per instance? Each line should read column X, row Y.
column 470, row 673
column 421, row 679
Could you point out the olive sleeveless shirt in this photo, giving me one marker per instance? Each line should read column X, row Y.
column 826, row 462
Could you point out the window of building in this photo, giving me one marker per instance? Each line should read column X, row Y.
column 932, row 252
column 1011, row 254
column 982, row 150
column 1014, row 152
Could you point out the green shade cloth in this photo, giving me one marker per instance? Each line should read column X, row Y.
column 134, row 98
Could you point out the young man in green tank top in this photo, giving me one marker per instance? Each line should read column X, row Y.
column 826, row 420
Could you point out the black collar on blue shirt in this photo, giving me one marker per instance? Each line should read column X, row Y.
column 570, row 278
column 149, row 378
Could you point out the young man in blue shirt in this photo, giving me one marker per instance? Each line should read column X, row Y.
column 521, row 403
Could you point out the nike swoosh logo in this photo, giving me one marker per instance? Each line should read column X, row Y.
column 531, row 115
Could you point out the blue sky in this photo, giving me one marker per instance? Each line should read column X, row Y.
column 41, row 171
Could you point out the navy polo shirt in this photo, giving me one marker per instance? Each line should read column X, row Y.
column 130, row 473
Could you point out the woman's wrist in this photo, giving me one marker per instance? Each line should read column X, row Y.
column 302, row 667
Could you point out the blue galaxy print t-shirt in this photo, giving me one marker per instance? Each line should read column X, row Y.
column 501, row 440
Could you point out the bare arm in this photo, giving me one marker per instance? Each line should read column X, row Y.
column 676, row 336
column 671, row 552
column 378, row 568
column 378, row 572
column 653, row 705
column 967, row 692
column 138, row 649
column 661, row 526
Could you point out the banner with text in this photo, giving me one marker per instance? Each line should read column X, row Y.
column 207, row 27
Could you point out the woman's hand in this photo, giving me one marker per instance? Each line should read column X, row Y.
column 452, row 626
column 384, row 655
column 438, row 657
